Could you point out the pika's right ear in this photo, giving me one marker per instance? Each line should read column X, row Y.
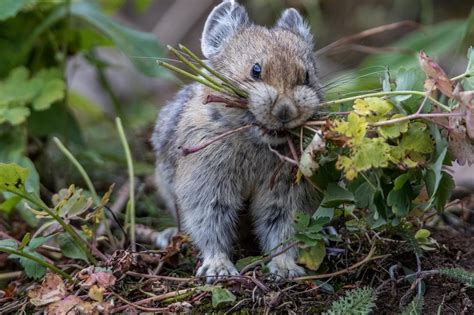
column 225, row 20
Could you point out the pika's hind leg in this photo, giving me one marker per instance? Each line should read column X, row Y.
column 273, row 212
column 209, row 202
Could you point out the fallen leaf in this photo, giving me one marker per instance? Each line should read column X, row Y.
column 52, row 289
column 102, row 279
column 70, row 305
column 434, row 72
column 96, row 293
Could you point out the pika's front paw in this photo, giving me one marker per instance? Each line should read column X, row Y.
column 284, row 266
column 216, row 267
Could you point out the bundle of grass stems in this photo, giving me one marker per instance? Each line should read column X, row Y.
column 231, row 96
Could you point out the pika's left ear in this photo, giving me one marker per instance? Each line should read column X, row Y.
column 292, row 20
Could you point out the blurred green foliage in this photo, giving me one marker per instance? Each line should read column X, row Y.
column 36, row 39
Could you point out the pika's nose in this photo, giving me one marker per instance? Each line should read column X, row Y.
column 284, row 112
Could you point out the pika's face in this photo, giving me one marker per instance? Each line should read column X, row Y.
column 275, row 66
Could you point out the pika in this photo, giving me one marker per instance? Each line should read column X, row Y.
column 210, row 188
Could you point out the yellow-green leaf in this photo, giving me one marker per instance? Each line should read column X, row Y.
column 373, row 108
column 393, row 130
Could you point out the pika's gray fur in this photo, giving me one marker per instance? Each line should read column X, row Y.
column 212, row 186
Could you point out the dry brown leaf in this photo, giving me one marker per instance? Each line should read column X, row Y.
column 96, row 293
column 460, row 147
column 69, row 305
column 52, row 289
column 90, row 277
column 434, row 72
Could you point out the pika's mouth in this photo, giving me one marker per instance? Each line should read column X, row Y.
column 273, row 132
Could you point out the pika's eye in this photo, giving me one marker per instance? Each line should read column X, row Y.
column 306, row 79
column 256, row 71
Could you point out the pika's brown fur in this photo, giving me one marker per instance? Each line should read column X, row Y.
column 212, row 186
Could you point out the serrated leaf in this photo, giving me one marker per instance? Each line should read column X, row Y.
column 69, row 248
column 354, row 128
column 312, row 256
column 18, row 91
column 393, row 130
column 32, row 269
column 13, row 178
column 221, row 296
column 335, row 195
column 302, row 220
column 373, row 108
column 417, row 139
column 400, row 200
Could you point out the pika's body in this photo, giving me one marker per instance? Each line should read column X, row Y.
column 277, row 68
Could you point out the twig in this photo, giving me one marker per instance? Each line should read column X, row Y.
column 10, row 275
column 157, row 277
column 146, row 309
column 292, row 148
column 267, row 258
column 282, row 157
column 199, row 147
column 237, row 103
column 79, row 167
column 415, row 116
column 131, row 201
column 37, row 260
column 367, row 259
column 157, row 298
column 377, row 94
column 366, row 33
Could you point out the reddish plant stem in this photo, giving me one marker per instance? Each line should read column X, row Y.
column 199, row 147
column 415, row 116
column 236, row 103
column 292, row 148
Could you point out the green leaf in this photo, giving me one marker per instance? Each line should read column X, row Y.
column 364, row 195
column 142, row 48
column 221, row 296
column 69, row 248
column 400, row 181
column 312, row 256
column 13, row 178
column 32, row 269
column 39, row 241
column 422, row 234
column 302, row 221
column 409, row 80
column 417, row 139
column 438, row 40
column 393, row 130
column 18, row 91
column 359, row 301
column 324, row 212
column 415, row 307
column 373, row 108
column 9, row 243
column 9, row 8
column 354, row 128
column 446, row 187
column 400, row 200
column 460, row 274
column 336, row 195
column 241, row 263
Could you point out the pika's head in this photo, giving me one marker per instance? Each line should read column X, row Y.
column 276, row 66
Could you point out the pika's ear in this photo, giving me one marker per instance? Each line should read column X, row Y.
column 292, row 20
column 225, row 20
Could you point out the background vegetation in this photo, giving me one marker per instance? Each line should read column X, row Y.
column 69, row 68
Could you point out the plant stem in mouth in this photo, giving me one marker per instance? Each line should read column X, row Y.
column 199, row 147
